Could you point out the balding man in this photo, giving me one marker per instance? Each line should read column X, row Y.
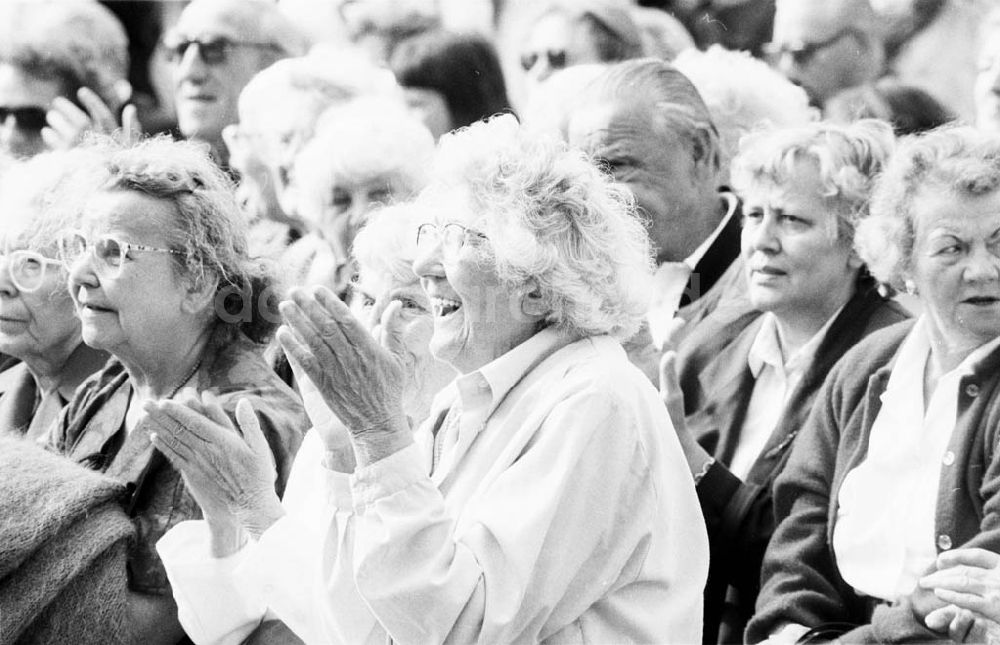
column 827, row 45
column 214, row 50
column 648, row 125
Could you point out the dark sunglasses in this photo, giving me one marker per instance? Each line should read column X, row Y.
column 802, row 53
column 26, row 118
column 556, row 58
column 214, row 51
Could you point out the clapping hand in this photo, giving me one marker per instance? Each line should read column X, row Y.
column 68, row 124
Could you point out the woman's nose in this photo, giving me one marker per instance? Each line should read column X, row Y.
column 982, row 265
column 7, row 286
column 763, row 234
column 428, row 261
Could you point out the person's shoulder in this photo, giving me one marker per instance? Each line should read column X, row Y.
column 872, row 353
column 239, row 369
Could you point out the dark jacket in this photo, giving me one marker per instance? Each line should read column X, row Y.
column 717, row 385
column 91, row 431
column 800, row 580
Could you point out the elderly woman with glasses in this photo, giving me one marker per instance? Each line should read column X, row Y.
column 160, row 278
column 545, row 496
column 38, row 325
column 278, row 574
column 898, row 463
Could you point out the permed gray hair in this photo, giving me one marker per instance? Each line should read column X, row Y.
column 957, row 160
column 553, row 219
column 210, row 230
column 848, row 158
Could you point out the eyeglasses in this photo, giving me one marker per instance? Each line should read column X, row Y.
column 27, row 269
column 801, row 52
column 555, row 57
column 26, row 118
column 453, row 237
column 213, row 51
column 110, row 252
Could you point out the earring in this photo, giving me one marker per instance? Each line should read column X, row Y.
column 911, row 287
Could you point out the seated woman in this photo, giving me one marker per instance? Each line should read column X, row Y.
column 897, row 462
column 748, row 384
column 160, row 278
column 38, row 324
column 542, row 498
column 365, row 154
column 278, row 576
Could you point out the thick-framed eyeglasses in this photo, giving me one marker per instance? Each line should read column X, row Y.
column 801, row 53
column 555, row 57
column 213, row 51
column 453, row 237
column 27, row 269
column 27, row 118
column 110, row 252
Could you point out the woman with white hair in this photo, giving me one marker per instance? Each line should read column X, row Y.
column 749, row 384
column 365, row 154
column 38, row 324
column 898, row 461
column 542, row 498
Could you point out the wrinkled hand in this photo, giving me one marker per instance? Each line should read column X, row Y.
column 969, row 580
column 68, row 124
column 360, row 377
column 673, row 398
column 229, row 472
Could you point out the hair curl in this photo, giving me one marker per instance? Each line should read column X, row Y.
column 554, row 220
column 848, row 158
column 956, row 160
column 210, row 230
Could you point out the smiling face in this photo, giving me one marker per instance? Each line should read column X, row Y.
column 477, row 318
column 796, row 266
column 676, row 195
column 956, row 264
column 139, row 308
column 373, row 293
column 555, row 42
column 987, row 86
column 206, row 94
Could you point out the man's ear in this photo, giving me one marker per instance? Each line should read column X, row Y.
column 200, row 294
column 533, row 303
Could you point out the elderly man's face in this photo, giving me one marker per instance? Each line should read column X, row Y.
column 24, row 100
column 815, row 46
column 208, row 81
column 555, row 42
column 676, row 195
column 987, row 88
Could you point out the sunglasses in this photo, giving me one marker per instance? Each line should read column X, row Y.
column 801, row 53
column 213, row 51
column 555, row 57
column 26, row 118
column 110, row 252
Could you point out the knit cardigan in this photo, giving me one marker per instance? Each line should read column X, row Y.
column 800, row 579
column 63, row 539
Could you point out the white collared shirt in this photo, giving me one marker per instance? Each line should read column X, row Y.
column 562, row 510
column 884, row 535
column 671, row 278
column 775, row 378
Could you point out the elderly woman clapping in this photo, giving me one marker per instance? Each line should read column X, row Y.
column 545, row 497
column 160, row 278
column 280, row 575
column 897, row 462
column 38, row 325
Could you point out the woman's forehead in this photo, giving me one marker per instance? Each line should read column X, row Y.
column 128, row 212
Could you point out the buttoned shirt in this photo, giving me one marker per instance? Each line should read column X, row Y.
column 775, row 378
column 884, row 535
column 561, row 510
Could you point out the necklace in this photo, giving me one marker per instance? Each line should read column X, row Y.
column 184, row 381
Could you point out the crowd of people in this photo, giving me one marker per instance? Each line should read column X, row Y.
column 588, row 323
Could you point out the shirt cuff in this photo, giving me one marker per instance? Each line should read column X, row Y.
column 212, row 604
column 388, row 476
column 716, row 489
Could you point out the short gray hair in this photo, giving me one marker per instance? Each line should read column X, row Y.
column 387, row 245
column 553, row 218
column 848, row 158
column 210, row 230
column 957, row 160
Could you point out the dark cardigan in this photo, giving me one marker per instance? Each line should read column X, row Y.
column 800, row 580
column 717, row 385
